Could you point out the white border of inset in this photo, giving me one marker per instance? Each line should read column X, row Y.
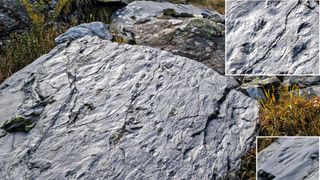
column 249, row 75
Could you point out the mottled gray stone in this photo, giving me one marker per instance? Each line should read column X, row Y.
column 301, row 81
column 93, row 29
column 310, row 91
column 272, row 37
column 110, row 111
column 290, row 158
column 138, row 11
column 13, row 17
column 256, row 87
column 183, row 31
column 196, row 38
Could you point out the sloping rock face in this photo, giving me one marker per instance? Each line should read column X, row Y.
column 181, row 29
column 103, row 110
column 92, row 29
column 290, row 158
column 13, row 17
column 272, row 37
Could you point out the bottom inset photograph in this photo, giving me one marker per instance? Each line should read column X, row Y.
column 294, row 158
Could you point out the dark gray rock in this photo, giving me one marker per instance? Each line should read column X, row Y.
column 290, row 158
column 256, row 87
column 272, row 37
column 310, row 91
column 93, row 29
column 109, row 111
column 301, row 81
column 13, row 17
column 180, row 29
column 196, row 38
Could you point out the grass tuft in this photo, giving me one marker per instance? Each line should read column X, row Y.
column 288, row 113
column 264, row 143
column 248, row 166
column 217, row 5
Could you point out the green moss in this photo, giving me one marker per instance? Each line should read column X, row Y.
column 115, row 138
column 18, row 124
column 203, row 25
column 169, row 12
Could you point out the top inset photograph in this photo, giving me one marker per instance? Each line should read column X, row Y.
column 268, row 37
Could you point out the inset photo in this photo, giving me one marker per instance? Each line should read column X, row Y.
column 272, row 37
column 292, row 158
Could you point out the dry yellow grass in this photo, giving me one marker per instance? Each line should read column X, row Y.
column 264, row 142
column 23, row 48
column 288, row 113
column 217, row 5
column 248, row 166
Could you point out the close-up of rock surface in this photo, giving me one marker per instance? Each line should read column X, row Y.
column 272, row 37
column 290, row 158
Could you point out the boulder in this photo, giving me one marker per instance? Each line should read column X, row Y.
column 93, row 109
column 178, row 28
column 310, row 92
column 138, row 11
column 290, row 158
column 13, row 17
column 196, row 38
column 92, row 29
column 272, row 37
column 301, row 81
column 256, row 87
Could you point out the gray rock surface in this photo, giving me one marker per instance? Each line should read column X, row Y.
column 256, row 87
column 139, row 11
column 13, row 17
column 180, row 29
column 104, row 110
column 301, row 81
column 290, row 158
column 310, row 91
column 196, row 38
column 92, row 29
column 272, row 37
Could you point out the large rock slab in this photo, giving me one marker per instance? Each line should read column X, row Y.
column 272, row 37
column 290, row 158
column 103, row 110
